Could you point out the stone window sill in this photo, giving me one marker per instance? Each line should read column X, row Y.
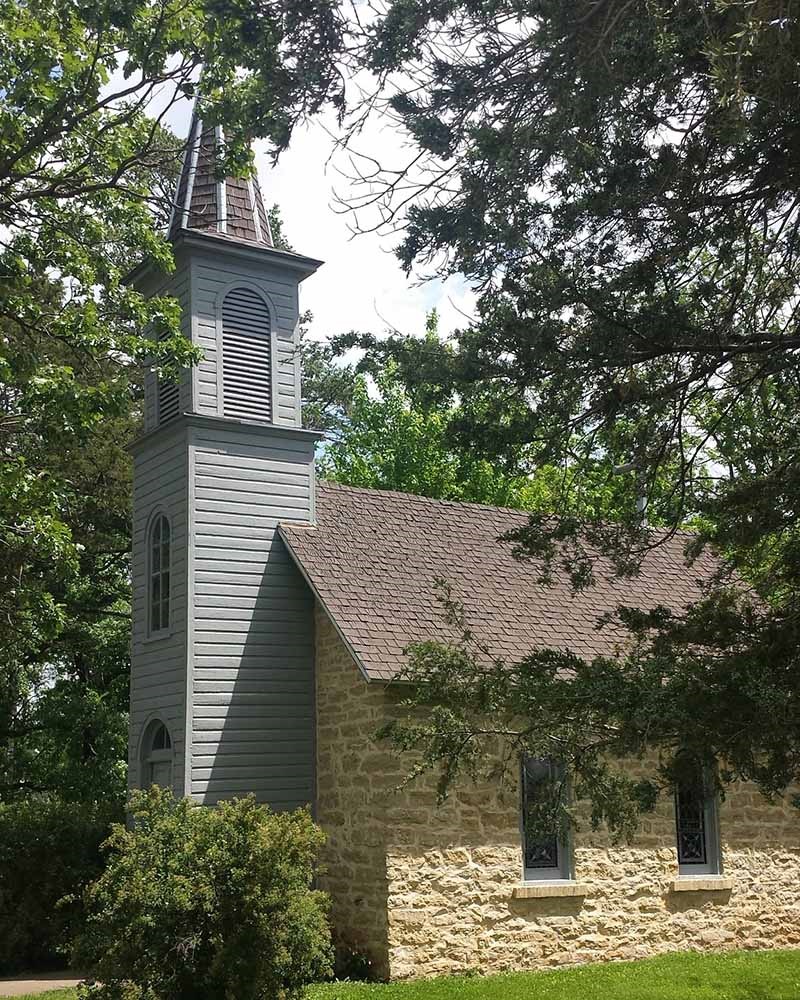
column 545, row 890
column 700, row 883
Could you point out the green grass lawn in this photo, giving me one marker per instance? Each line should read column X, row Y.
column 49, row 995
column 765, row 975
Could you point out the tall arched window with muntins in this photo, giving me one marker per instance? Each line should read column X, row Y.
column 159, row 589
column 157, row 756
column 246, row 356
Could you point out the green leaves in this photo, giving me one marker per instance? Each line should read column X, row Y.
column 393, row 430
column 618, row 182
column 206, row 902
column 87, row 174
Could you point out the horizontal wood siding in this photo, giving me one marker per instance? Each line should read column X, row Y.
column 252, row 646
column 158, row 665
column 288, row 377
column 211, row 276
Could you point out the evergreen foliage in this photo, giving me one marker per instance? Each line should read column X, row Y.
column 618, row 181
column 49, row 851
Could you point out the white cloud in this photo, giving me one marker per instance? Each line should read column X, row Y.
column 361, row 286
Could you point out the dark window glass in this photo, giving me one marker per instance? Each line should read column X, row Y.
column 159, row 574
column 541, row 784
column 691, row 807
column 161, row 739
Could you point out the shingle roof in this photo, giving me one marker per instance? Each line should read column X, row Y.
column 373, row 556
column 231, row 207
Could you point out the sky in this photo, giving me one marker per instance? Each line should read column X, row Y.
column 361, row 285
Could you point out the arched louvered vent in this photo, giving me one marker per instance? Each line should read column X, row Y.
column 246, row 356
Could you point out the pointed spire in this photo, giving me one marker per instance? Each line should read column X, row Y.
column 232, row 207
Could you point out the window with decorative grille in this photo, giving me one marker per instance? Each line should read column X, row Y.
column 546, row 856
column 696, row 825
column 246, row 356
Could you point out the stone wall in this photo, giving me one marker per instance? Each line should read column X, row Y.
column 425, row 890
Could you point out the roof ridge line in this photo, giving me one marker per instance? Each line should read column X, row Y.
column 421, row 497
column 659, row 532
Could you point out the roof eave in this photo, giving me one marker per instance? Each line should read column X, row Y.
column 142, row 271
column 213, row 420
column 298, row 561
column 195, row 239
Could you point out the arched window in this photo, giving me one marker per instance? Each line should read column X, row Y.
column 246, row 356
column 159, row 574
column 157, row 756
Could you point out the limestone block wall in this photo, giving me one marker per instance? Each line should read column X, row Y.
column 427, row 891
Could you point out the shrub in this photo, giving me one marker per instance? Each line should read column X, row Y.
column 352, row 964
column 48, row 850
column 206, row 903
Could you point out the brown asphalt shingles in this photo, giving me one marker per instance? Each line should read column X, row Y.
column 373, row 558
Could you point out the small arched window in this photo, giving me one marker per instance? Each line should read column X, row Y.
column 157, row 756
column 159, row 574
column 246, row 356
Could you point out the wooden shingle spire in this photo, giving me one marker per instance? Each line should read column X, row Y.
column 231, row 207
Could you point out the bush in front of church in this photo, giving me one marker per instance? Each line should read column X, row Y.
column 205, row 903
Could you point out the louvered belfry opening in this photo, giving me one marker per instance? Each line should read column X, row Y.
column 168, row 397
column 168, row 401
column 246, row 356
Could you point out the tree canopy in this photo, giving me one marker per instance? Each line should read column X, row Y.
column 620, row 182
column 86, row 170
column 618, row 179
column 394, row 435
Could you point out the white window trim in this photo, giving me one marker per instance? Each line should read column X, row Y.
column 164, row 631
column 149, row 757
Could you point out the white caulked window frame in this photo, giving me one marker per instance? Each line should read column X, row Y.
column 158, row 755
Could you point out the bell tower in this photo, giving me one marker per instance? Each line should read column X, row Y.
column 222, row 651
